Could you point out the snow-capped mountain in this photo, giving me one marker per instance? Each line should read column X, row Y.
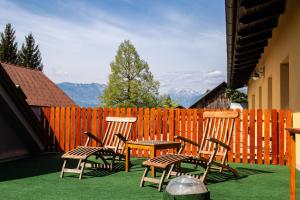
column 186, row 97
column 87, row 94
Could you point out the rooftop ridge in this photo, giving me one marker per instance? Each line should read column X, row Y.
column 20, row 66
column 38, row 88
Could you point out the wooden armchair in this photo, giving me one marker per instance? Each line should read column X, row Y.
column 108, row 150
column 212, row 150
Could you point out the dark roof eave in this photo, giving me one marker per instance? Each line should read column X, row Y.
column 249, row 25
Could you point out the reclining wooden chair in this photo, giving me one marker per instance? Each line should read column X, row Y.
column 112, row 147
column 212, row 153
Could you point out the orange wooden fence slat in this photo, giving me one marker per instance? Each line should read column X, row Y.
column 83, row 124
column 134, row 127
column 57, row 127
column 78, row 127
column 52, row 128
column 146, row 128
column 171, row 127
column 164, row 122
column 158, row 126
column 100, row 124
column 152, row 124
column 259, row 136
column 129, row 113
column 252, row 136
column 122, row 112
column 200, row 126
column 140, row 128
column 94, row 125
column 230, row 153
column 281, row 137
column 177, row 122
column 73, row 128
column 68, row 128
column 238, row 138
column 111, row 112
column 274, row 137
column 189, row 130
column 89, row 119
column 194, row 132
column 288, row 142
column 62, row 129
column 105, row 114
column 115, row 112
column 183, row 125
column 245, row 136
column 267, row 137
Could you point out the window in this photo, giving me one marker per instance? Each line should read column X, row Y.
column 284, row 86
column 253, row 102
column 270, row 92
column 260, row 98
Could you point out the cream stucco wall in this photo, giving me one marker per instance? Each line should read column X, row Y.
column 283, row 47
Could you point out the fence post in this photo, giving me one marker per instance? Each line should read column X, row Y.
column 292, row 159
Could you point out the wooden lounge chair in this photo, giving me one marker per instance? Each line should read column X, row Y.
column 212, row 151
column 112, row 147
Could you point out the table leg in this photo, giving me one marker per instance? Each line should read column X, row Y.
column 152, row 155
column 127, row 158
column 292, row 161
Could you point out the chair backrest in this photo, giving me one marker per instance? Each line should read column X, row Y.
column 115, row 125
column 218, row 125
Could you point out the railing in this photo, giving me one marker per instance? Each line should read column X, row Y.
column 259, row 137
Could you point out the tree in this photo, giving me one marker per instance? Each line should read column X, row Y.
column 29, row 55
column 130, row 84
column 167, row 102
column 8, row 45
column 236, row 96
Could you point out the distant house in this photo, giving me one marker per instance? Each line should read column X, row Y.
column 21, row 133
column 214, row 99
column 37, row 87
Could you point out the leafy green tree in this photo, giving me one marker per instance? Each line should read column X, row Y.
column 130, row 84
column 167, row 102
column 29, row 55
column 8, row 45
column 236, row 96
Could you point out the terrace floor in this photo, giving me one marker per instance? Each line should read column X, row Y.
column 38, row 178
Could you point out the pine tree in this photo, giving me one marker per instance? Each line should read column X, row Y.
column 131, row 84
column 29, row 55
column 8, row 45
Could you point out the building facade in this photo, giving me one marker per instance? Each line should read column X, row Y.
column 270, row 64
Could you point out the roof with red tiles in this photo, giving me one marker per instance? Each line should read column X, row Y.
column 38, row 88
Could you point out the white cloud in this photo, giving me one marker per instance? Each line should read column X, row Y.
column 82, row 51
column 213, row 74
column 199, row 81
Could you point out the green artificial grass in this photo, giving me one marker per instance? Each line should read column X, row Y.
column 38, row 178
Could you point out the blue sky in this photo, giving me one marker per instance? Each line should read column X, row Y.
column 183, row 41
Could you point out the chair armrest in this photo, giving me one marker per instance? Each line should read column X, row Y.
column 219, row 142
column 121, row 137
column 90, row 135
column 187, row 140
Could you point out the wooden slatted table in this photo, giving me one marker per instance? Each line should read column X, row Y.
column 292, row 161
column 152, row 146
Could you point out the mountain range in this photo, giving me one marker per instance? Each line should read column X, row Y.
column 84, row 94
column 87, row 94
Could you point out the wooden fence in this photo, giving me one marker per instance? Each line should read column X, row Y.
column 259, row 136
